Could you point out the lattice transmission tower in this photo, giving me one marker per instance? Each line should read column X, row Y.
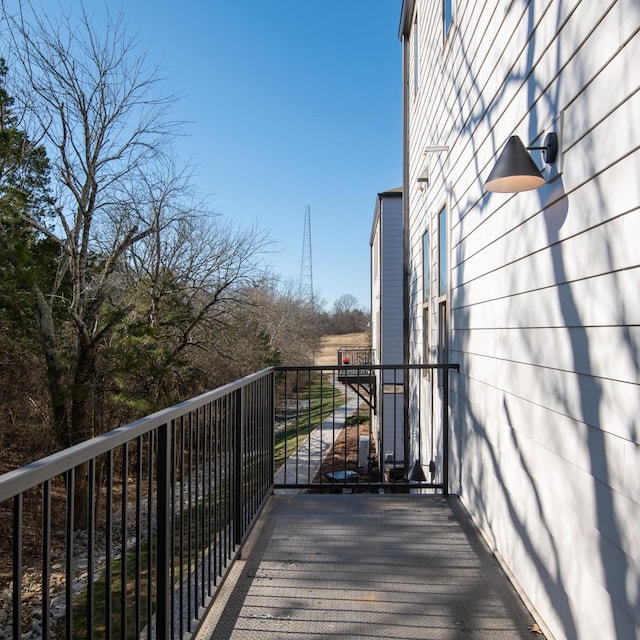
column 306, row 267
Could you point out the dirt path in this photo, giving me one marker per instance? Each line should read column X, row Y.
column 345, row 449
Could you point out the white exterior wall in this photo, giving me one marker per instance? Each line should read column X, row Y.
column 392, row 342
column 386, row 278
column 387, row 331
column 544, row 291
column 376, row 233
column 391, row 410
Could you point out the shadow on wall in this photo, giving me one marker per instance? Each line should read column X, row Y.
column 616, row 571
column 544, row 551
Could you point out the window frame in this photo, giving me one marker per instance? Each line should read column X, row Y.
column 443, row 261
column 443, row 289
column 448, row 15
column 415, row 34
column 426, row 268
column 426, row 301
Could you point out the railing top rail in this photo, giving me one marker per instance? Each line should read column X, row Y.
column 34, row 473
column 375, row 367
column 19, row 480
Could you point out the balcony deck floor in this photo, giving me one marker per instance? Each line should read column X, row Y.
column 366, row 566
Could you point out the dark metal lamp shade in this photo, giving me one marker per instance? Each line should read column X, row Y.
column 514, row 170
column 416, row 474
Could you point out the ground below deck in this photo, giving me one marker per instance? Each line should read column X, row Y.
column 359, row 566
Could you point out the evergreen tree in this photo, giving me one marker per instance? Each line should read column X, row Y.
column 24, row 193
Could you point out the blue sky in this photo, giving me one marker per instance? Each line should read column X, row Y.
column 289, row 103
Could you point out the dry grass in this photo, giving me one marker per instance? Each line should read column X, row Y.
column 327, row 355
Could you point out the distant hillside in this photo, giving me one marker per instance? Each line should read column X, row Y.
column 327, row 355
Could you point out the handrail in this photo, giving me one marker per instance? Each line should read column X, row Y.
column 376, row 396
column 34, row 473
column 201, row 472
column 182, row 488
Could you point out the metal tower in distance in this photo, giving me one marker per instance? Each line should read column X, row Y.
column 306, row 268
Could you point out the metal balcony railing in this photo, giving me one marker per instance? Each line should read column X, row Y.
column 131, row 534
column 356, row 355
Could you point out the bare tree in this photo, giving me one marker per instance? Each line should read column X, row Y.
column 347, row 317
column 346, row 303
column 91, row 100
column 189, row 277
column 293, row 325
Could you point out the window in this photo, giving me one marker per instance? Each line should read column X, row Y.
column 443, row 273
column 443, row 340
column 447, row 16
column 425, row 268
column 416, row 55
column 426, row 276
column 442, row 252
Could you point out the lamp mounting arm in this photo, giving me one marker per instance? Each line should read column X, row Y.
column 549, row 148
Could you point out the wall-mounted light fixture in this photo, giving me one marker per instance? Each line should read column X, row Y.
column 515, row 170
column 415, row 473
column 423, row 176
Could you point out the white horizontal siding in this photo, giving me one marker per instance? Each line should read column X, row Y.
column 562, row 435
column 604, row 248
column 611, row 405
column 549, row 521
column 594, row 302
column 544, row 304
column 391, row 285
column 392, row 442
column 375, row 282
column 601, row 352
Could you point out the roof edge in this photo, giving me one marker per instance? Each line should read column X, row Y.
column 406, row 14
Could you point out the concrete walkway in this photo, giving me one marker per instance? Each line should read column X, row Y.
column 359, row 566
column 301, row 467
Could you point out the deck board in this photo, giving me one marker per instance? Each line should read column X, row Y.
column 366, row 566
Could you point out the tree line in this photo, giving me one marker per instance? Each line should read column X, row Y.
column 122, row 290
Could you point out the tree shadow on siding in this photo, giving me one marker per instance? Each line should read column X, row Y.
column 590, row 392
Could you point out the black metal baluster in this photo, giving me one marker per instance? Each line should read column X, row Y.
column 333, row 420
column 46, row 556
column 181, row 536
column 138, row 539
column 237, row 471
column 189, row 518
column 109, row 543
column 123, row 544
column 225, row 485
column 205, row 498
column 246, row 462
column 271, row 429
column 90, row 546
column 17, row 566
column 217, row 475
column 150, row 541
column 164, row 595
column 343, row 431
column 445, row 433
column 70, row 480
column 196, row 528
column 210, row 491
column 172, row 515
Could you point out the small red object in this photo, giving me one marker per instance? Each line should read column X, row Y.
column 345, row 360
